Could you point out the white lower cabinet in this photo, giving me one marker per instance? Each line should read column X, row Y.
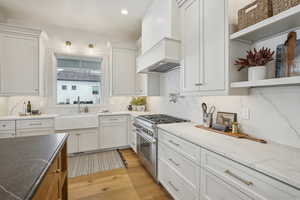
column 34, row 127
column 211, row 176
column 214, row 188
column 82, row 140
column 174, row 183
column 72, row 143
column 113, row 131
column 34, row 132
column 7, row 134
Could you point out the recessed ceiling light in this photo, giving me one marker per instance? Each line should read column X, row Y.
column 124, row 12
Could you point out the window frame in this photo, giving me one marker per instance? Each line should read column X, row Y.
column 104, row 81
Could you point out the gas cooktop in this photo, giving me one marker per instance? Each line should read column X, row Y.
column 161, row 119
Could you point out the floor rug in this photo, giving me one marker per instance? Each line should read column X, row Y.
column 86, row 164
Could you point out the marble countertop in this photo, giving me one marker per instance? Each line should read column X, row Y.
column 24, row 162
column 133, row 113
column 43, row 116
column 278, row 161
column 47, row 116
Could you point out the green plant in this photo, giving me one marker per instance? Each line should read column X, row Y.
column 255, row 58
column 138, row 101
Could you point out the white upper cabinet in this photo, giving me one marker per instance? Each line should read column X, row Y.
column 204, row 47
column 160, row 21
column 123, row 72
column 192, row 68
column 21, row 63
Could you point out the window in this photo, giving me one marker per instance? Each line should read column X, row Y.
column 84, row 77
column 64, row 87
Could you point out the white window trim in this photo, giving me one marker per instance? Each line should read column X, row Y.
column 105, row 85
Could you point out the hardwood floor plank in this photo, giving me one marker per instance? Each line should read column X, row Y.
column 134, row 183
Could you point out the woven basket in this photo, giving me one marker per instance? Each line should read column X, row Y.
column 254, row 13
column 282, row 5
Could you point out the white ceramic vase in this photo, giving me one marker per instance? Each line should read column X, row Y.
column 257, row 73
column 141, row 108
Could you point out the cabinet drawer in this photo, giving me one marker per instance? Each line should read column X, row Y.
column 214, row 188
column 29, row 124
column 175, row 185
column 7, row 125
column 186, row 168
column 247, row 180
column 188, row 149
column 7, row 134
column 113, row 119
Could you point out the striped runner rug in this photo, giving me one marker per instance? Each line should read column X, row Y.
column 86, row 164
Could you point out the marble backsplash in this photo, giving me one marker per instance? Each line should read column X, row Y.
column 273, row 112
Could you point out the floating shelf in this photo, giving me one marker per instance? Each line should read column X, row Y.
column 277, row 24
column 268, row 82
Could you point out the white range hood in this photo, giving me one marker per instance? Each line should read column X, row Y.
column 162, row 57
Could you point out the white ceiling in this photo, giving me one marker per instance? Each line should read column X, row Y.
column 99, row 16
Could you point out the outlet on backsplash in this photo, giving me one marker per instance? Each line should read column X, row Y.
column 245, row 113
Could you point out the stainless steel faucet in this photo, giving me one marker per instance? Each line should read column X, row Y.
column 79, row 104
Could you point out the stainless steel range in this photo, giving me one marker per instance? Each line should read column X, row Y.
column 147, row 132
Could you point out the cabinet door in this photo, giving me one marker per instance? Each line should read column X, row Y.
column 73, row 143
column 192, row 67
column 19, row 65
column 141, row 84
column 214, row 43
column 123, row 72
column 113, row 135
column 88, row 140
column 214, row 188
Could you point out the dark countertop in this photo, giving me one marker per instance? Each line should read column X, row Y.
column 23, row 163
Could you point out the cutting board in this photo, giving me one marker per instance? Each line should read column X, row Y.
column 235, row 135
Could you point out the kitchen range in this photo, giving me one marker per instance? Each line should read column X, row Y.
column 147, row 138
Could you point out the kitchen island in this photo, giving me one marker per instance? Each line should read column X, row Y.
column 33, row 167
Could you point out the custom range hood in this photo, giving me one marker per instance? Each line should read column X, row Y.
column 162, row 57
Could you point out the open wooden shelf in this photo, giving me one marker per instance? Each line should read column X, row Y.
column 283, row 22
column 268, row 82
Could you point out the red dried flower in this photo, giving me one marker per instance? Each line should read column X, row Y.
column 255, row 58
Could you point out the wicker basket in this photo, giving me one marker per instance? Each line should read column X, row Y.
column 254, row 13
column 282, row 5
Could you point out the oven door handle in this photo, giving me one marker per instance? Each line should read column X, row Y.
column 146, row 137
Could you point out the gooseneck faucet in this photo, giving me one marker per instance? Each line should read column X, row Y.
column 79, row 106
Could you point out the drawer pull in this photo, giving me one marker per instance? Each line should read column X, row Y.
column 36, row 124
column 58, row 171
column 173, row 186
column 172, row 161
column 172, row 142
column 238, row 178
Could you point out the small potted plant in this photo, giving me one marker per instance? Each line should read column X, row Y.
column 139, row 104
column 256, row 62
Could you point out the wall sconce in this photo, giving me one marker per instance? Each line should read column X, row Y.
column 68, row 43
column 91, row 46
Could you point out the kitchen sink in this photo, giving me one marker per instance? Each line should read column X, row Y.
column 76, row 121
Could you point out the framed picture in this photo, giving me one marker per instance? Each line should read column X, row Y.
column 226, row 119
column 281, row 61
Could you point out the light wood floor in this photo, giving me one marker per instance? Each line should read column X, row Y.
column 133, row 183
